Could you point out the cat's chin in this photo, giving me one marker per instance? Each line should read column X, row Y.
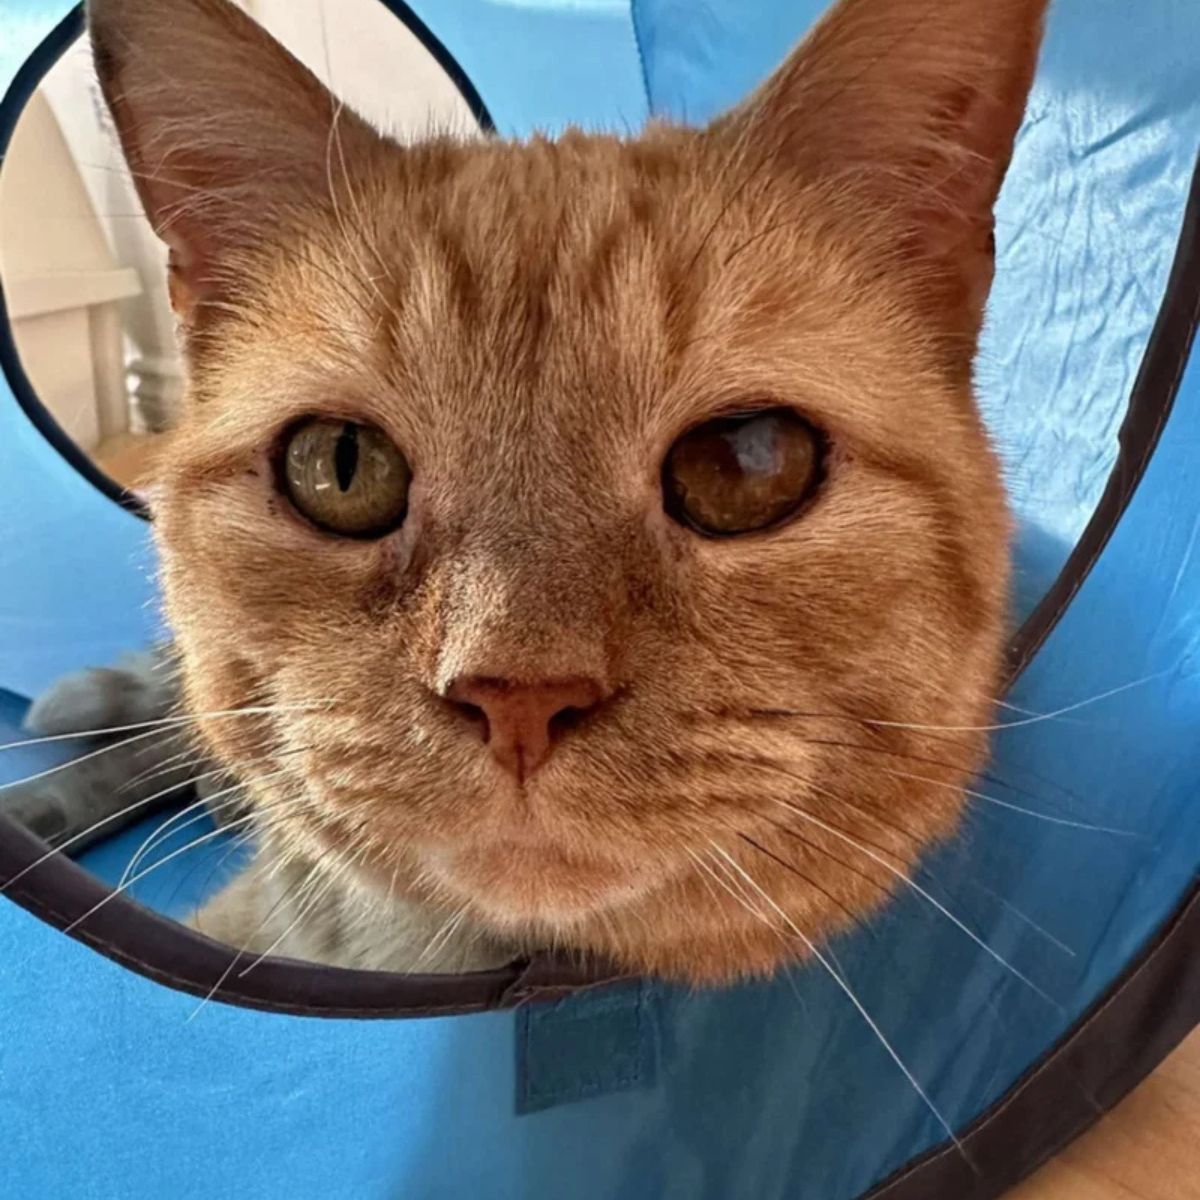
column 520, row 883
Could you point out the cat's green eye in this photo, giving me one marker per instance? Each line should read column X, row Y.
column 347, row 478
column 741, row 474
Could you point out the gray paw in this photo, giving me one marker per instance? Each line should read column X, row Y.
column 124, row 778
column 41, row 812
column 97, row 795
column 140, row 689
column 116, row 780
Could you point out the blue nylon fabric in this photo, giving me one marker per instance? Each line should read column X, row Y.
column 586, row 1045
column 77, row 570
column 106, row 1090
column 545, row 64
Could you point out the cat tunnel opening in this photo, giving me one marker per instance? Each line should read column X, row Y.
column 1145, row 1009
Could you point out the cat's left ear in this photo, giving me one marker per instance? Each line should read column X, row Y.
column 905, row 112
column 225, row 133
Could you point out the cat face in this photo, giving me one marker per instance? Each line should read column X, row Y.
column 608, row 522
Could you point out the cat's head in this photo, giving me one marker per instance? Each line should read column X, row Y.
column 608, row 520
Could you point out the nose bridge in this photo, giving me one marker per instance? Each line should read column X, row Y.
column 529, row 606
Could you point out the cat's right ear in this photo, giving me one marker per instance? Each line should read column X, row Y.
column 906, row 113
column 224, row 132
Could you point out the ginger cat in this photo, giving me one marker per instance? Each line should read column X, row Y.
column 602, row 529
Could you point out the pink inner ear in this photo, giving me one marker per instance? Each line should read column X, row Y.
column 179, row 285
column 186, row 265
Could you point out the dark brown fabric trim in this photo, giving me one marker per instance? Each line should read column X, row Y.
column 60, row 892
column 1140, row 1020
column 1150, row 404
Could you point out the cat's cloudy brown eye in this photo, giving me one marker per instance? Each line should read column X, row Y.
column 740, row 474
column 347, row 478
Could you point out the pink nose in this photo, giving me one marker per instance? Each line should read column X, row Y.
column 522, row 721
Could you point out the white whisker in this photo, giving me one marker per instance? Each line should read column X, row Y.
column 1026, row 919
column 441, row 938
column 183, row 760
column 815, row 951
column 162, row 862
column 1028, row 812
column 74, row 762
column 77, row 837
column 233, row 962
column 164, row 722
column 920, row 891
column 1036, row 719
column 205, row 803
column 306, row 908
column 1040, row 816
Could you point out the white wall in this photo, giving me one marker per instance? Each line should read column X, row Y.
column 154, row 379
column 62, row 282
column 369, row 59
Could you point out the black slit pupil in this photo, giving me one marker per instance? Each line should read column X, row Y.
column 345, row 456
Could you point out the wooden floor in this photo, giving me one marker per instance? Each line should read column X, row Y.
column 1148, row 1148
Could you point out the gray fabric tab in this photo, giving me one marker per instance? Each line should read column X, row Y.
column 590, row 1044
